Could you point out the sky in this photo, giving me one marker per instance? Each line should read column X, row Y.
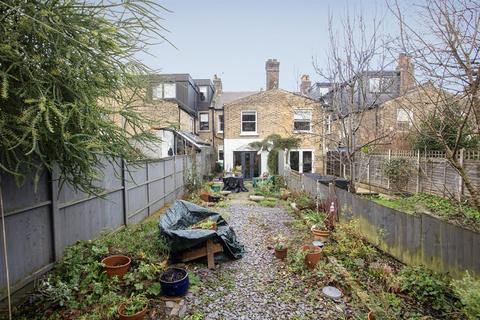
column 233, row 39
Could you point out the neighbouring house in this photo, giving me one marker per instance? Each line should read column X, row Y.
column 382, row 108
column 255, row 116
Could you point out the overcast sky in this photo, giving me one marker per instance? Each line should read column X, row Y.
column 233, row 39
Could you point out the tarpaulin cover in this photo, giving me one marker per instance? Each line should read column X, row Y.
column 174, row 226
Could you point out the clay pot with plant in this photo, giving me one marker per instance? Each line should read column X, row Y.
column 134, row 308
column 281, row 247
column 116, row 265
column 313, row 254
column 320, row 232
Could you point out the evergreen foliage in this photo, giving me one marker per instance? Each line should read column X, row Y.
column 67, row 69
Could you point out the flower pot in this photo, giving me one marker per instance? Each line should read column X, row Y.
column 371, row 316
column 319, row 234
column 313, row 256
column 281, row 253
column 137, row 316
column 116, row 265
column 205, row 196
column 174, row 282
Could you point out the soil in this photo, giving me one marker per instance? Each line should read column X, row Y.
column 172, row 275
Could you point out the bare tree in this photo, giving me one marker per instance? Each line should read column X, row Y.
column 443, row 38
column 356, row 55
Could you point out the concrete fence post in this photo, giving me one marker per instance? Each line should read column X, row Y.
column 417, row 187
column 125, row 192
column 56, row 230
column 389, row 158
column 460, row 179
column 147, row 175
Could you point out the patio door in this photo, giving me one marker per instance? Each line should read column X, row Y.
column 249, row 160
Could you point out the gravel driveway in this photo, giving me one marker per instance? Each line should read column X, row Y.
column 258, row 286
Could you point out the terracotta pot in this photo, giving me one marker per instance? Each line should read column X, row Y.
column 116, row 265
column 137, row 316
column 205, row 196
column 214, row 227
column 371, row 316
column 319, row 234
column 314, row 255
column 281, row 253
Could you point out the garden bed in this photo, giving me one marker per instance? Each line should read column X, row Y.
column 439, row 207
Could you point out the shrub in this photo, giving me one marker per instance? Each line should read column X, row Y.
column 426, row 287
column 398, row 171
column 468, row 291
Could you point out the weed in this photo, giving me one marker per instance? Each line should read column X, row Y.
column 468, row 291
column 268, row 203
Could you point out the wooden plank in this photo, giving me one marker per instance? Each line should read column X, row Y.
column 210, row 255
column 201, row 252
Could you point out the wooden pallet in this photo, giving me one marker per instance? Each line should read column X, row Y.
column 208, row 251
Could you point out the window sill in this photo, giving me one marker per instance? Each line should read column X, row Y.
column 203, row 131
column 249, row 133
column 302, row 131
column 219, row 131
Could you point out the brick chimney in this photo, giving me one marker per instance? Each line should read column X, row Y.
column 305, row 84
column 217, row 84
column 407, row 75
column 272, row 67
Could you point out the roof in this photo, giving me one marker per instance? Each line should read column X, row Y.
column 193, row 139
column 203, row 82
column 227, row 97
column 268, row 93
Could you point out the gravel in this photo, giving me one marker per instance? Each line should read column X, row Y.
column 258, row 286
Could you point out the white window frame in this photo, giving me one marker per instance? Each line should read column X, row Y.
column 300, row 159
column 218, row 122
column 159, row 91
column 220, row 148
column 407, row 113
column 204, row 90
column 328, row 124
column 200, row 121
column 248, row 133
column 310, row 118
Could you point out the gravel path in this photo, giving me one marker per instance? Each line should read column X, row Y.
column 258, row 286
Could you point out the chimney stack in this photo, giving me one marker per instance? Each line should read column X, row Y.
column 407, row 75
column 217, row 84
column 272, row 67
column 305, row 84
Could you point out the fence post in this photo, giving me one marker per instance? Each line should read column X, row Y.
column 417, row 188
column 57, row 249
column 460, row 179
column 147, row 186
column 125, row 192
column 175, row 177
column 389, row 158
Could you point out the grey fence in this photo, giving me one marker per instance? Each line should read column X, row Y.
column 412, row 239
column 41, row 223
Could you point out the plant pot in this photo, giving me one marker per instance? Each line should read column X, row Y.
column 281, row 253
column 137, row 316
column 319, row 234
column 116, row 265
column 371, row 316
column 314, row 255
column 174, row 282
column 205, row 196
column 216, row 188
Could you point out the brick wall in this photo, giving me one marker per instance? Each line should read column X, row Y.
column 275, row 114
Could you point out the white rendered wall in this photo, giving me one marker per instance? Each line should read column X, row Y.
column 231, row 145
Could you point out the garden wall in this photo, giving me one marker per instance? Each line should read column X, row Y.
column 412, row 239
column 40, row 225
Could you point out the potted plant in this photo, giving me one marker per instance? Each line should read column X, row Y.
column 174, row 282
column 313, row 254
column 134, row 308
column 320, row 232
column 205, row 224
column 116, row 265
column 281, row 247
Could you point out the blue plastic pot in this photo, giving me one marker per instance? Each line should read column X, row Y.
column 175, row 288
column 215, row 188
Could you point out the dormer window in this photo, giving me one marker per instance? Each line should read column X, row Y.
column 164, row 91
column 380, row 85
column 203, row 93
